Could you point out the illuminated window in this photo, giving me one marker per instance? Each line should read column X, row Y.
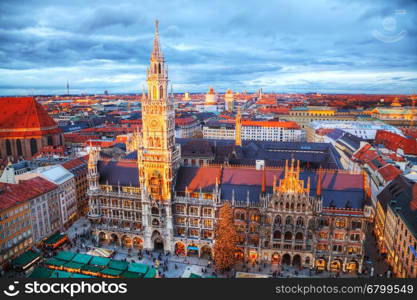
column 323, row 235
column 340, row 223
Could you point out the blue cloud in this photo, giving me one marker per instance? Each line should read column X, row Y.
column 325, row 46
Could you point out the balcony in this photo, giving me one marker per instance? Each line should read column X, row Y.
column 195, row 201
column 118, row 228
column 114, row 194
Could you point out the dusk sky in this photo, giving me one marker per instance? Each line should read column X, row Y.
column 282, row 46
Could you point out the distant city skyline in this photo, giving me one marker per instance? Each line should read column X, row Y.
column 281, row 46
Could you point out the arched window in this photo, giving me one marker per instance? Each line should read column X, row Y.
column 288, row 221
column 159, row 68
column 154, row 211
column 299, row 236
column 288, row 236
column 8, row 147
column 161, row 92
column 240, row 215
column 33, row 147
column 277, row 235
column 19, row 147
column 154, row 97
column 277, row 220
column 300, row 221
column 50, row 142
column 340, row 223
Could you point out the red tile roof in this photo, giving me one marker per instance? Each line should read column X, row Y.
column 24, row 117
column 194, row 179
column 74, row 163
column 13, row 194
column 78, row 138
column 389, row 172
column 184, row 121
column 394, row 142
column 248, row 176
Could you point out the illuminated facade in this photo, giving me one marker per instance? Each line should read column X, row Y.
column 304, row 115
column 395, row 226
column 229, row 101
column 147, row 202
column 283, row 215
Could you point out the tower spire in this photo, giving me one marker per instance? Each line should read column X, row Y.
column 238, row 136
column 156, row 48
column 318, row 189
column 263, row 188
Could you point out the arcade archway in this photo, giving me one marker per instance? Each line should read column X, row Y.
column 275, row 258
column 192, row 250
column 205, row 252
column 114, row 239
column 286, row 259
column 180, row 249
column 336, row 265
column 239, row 255
column 137, row 243
column 296, row 261
column 158, row 242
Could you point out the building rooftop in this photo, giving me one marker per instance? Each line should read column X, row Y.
column 339, row 189
column 24, row 190
column 118, row 172
column 401, row 196
column 57, row 173
column 24, row 117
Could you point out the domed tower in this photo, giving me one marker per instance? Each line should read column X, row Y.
column 228, row 100
column 211, row 97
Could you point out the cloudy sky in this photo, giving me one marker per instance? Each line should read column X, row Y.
column 282, row 46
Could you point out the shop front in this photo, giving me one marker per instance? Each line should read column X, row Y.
column 336, row 265
column 180, row 249
column 275, row 258
column 192, row 250
column 320, row 264
column 352, row 266
column 253, row 255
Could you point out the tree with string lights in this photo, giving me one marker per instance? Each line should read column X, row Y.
column 226, row 239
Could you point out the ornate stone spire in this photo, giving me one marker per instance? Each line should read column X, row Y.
column 318, row 189
column 156, row 52
column 263, row 189
column 291, row 182
column 238, row 134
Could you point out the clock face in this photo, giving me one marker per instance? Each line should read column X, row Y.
column 154, row 123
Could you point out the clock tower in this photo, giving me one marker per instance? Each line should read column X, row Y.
column 158, row 155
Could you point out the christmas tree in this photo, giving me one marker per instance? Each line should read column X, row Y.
column 226, row 239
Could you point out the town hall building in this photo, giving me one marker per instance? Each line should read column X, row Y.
column 287, row 214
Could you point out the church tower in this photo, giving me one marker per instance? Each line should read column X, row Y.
column 158, row 155
column 238, row 128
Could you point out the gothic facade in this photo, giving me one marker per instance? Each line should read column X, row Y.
column 289, row 215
